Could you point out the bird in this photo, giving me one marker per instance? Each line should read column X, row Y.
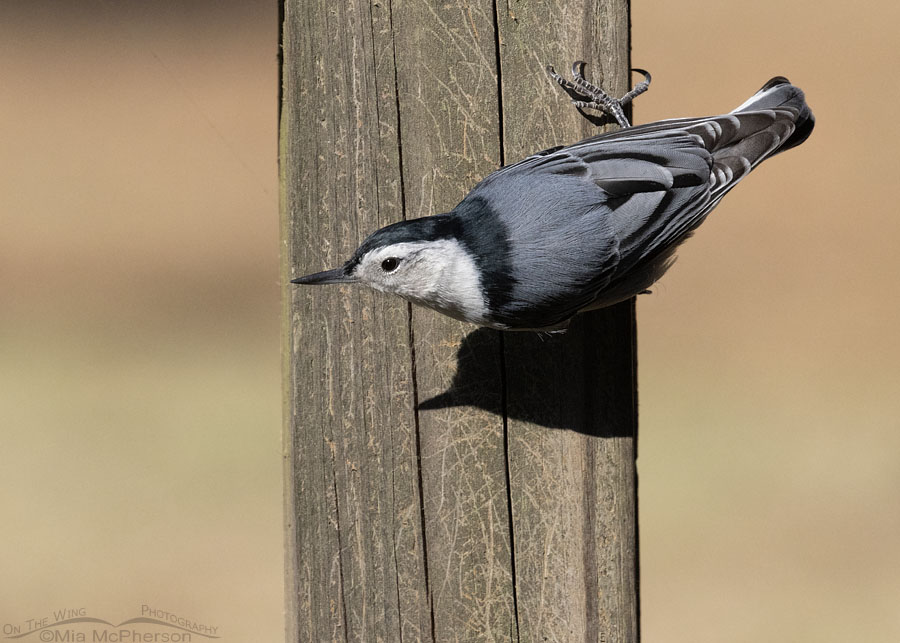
column 578, row 227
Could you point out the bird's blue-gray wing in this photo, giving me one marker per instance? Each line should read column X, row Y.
column 664, row 178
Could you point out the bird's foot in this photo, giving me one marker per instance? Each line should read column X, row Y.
column 585, row 94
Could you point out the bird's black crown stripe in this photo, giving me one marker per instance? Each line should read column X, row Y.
column 424, row 229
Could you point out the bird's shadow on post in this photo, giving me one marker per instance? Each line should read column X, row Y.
column 582, row 380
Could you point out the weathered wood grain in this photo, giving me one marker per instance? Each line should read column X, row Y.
column 444, row 483
column 450, row 132
column 573, row 490
column 356, row 539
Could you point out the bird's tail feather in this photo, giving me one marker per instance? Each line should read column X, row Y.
column 774, row 119
column 779, row 94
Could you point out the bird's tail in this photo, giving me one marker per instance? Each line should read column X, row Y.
column 774, row 119
column 779, row 94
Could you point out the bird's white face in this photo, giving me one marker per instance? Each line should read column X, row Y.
column 439, row 274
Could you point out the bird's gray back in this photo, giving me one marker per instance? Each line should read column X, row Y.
column 561, row 247
column 598, row 221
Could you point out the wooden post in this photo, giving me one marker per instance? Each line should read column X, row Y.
column 444, row 483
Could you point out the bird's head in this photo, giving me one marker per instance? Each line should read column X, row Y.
column 421, row 260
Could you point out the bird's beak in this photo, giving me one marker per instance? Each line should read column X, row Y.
column 336, row 276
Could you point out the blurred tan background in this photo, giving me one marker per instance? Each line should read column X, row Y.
column 139, row 330
column 139, row 325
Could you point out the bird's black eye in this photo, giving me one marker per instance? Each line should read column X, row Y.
column 390, row 264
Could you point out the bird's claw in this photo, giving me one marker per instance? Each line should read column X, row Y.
column 585, row 94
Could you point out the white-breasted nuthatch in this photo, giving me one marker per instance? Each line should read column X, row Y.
column 575, row 228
